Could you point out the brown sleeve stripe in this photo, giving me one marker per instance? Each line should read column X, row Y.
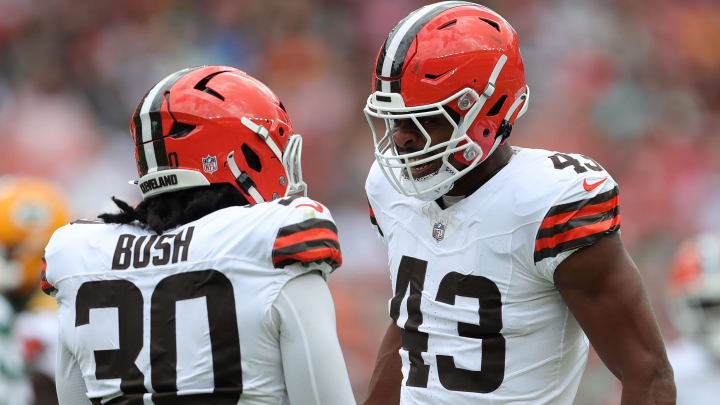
column 304, row 236
column 577, row 205
column 331, row 256
column 313, row 240
column 298, row 248
column 578, row 242
column 306, row 225
column 588, row 210
column 577, row 222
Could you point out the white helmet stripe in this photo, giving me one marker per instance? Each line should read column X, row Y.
column 146, row 124
column 400, row 34
column 153, row 144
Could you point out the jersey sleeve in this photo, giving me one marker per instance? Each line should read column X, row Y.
column 69, row 383
column 45, row 285
column 307, row 236
column 378, row 192
column 315, row 372
column 374, row 222
column 584, row 212
column 53, row 257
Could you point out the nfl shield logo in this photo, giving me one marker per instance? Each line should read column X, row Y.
column 209, row 164
column 438, row 231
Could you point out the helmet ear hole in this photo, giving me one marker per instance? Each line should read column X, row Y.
column 180, row 129
column 251, row 158
column 498, row 105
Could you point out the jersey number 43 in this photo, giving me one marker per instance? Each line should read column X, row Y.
column 411, row 273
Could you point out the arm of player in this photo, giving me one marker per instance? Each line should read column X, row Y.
column 387, row 376
column 69, row 382
column 602, row 287
column 313, row 364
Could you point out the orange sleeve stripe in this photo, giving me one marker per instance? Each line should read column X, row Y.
column 308, row 256
column 45, row 285
column 594, row 209
column 304, row 236
column 576, row 233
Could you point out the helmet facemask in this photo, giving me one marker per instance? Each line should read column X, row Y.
column 290, row 158
column 291, row 161
column 397, row 167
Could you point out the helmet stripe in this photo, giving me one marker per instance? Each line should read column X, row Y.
column 141, row 160
column 150, row 128
column 394, row 51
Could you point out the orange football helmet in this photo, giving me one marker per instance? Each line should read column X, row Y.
column 30, row 211
column 452, row 55
column 216, row 124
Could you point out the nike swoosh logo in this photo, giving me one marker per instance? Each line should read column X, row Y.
column 591, row 186
column 316, row 206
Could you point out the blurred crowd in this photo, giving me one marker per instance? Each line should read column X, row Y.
column 635, row 85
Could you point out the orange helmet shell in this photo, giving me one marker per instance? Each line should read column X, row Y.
column 208, row 125
column 443, row 48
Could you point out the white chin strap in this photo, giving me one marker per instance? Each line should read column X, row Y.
column 243, row 179
column 430, row 183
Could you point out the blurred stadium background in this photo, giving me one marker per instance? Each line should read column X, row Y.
column 635, row 85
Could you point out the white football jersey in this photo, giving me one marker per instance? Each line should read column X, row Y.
column 186, row 315
column 481, row 319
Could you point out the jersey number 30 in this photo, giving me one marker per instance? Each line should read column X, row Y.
column 411, row 272
column 127, row 298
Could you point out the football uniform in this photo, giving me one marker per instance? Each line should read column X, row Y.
column 15, row 388
column 481, row 319
column 186, row 316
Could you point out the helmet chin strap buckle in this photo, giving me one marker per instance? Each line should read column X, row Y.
column 243, row 179
column 489, row 89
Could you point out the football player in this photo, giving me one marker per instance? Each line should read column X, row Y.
column 695, row 308
column 213, row 289
column 30, row 210
column 500, row 257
